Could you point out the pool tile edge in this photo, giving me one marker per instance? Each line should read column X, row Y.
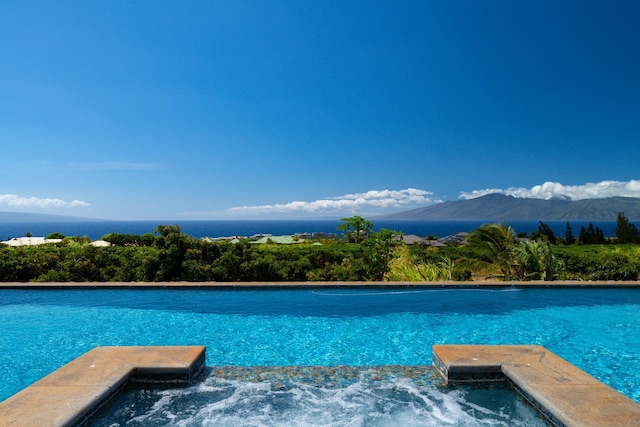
column 609, row 284
column 71, row 394
column 564, row 394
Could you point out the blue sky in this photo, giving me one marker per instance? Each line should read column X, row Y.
column 251, row 109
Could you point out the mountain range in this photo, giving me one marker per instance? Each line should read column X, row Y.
column 492, row 207
column 499, row 207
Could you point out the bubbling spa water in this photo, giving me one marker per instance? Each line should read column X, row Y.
column 381, row 396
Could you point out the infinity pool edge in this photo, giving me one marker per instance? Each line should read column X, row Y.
column 334, row 284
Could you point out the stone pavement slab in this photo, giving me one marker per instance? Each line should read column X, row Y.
column 70, row 395
column 566, row 395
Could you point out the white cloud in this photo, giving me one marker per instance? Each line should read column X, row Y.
column 548, row 190
column 36, row 202
column 367, row 202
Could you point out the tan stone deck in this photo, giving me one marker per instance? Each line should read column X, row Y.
column 561, row 391
column 68, row 396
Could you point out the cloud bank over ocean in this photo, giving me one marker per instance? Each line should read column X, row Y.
column 550, row 190
column 370, row 203
column 346, row 204
column 36, row 202
column 376, row 201
column 384, row 200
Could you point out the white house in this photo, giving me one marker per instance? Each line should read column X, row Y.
column 29, row 241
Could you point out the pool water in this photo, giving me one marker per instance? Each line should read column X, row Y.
column 598, row 330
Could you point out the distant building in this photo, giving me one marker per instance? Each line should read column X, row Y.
column 283, row 240
column 411, row 239
column 35, row 241
column 29, row 241
column 432, row 242
column 456, row 239
column 260, row 235
column 232, row 239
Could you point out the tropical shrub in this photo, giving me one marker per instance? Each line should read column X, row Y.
column 171, row 255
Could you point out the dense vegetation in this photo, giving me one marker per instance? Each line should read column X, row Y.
column 492, row 251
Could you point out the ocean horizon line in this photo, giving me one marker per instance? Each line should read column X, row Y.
column 246, row 228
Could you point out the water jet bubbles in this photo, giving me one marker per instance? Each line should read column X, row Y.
column 388, row 400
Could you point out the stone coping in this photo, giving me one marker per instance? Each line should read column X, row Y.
column 258, row 285
column 564, row 394
column 70, row 395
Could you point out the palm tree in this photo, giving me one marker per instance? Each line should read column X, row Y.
column 504, row 258
column 536, row 261
column 496, row 243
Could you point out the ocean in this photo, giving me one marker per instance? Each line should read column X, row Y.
column 96, row 229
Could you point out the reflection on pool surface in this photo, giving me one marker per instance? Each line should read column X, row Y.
column 598, row 330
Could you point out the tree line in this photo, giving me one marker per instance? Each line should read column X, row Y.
column 492, row 251
column 625, row 232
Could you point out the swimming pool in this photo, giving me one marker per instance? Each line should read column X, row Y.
column 598, row 330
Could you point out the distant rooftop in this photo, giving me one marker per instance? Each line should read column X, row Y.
column 29, row 241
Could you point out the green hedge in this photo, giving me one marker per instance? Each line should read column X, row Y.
column 173, row 256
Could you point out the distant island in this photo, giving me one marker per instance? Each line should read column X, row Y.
column 37, row 217
column 499, row 207
column 490, row 208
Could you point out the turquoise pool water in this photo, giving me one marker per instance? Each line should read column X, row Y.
column 598, row 330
